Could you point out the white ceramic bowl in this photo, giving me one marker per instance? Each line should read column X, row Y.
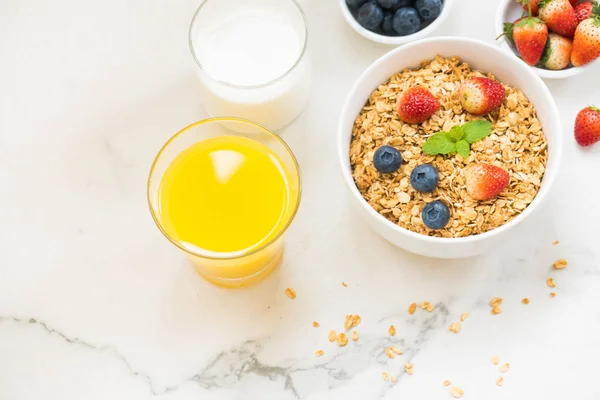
column 479, row 55
column 394, row 40
column 510, row 11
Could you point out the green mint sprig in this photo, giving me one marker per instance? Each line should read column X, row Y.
column 459, row 139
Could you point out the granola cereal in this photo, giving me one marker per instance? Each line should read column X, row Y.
column 517, row 144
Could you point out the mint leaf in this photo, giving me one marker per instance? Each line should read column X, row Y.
column 476, row 130
column 440, row 143
column 456, row 133
column 463, row 148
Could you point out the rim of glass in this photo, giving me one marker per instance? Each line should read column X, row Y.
column 234, row 85
column 229, row 255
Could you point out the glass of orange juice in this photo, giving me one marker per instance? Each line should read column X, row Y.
column 225, row 190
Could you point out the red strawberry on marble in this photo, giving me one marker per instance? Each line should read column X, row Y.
column 586, row 44
column 587, row 126
column 584, row 10
column 559, row 15
column 530, row 36
column 479, row 95
column 417, row 105
column 485, row 181
column 557, row 54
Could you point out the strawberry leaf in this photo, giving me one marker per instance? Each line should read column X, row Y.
column 463, row 148
column 477, row 130
column 440, row 143
column 456, row 133
column 546, row 54
column 508, row 32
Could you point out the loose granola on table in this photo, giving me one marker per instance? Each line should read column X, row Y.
column 516, row 144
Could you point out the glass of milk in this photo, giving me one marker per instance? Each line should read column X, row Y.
column 252, row 59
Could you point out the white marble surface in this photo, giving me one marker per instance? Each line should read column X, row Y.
column 95, row 304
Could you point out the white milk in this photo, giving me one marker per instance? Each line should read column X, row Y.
column 251, row 65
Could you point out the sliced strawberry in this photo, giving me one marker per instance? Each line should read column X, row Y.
column 485, row 181
column 479, row 95
column 586, row 45
column 559, row 15
column 530, row 36
column 417, row 105
column 558, row 52
column 587, row 126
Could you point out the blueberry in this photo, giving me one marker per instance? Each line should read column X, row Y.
column 387, row 159
column 370, row 16
column 429, row 9
column 424, row 178
column 386, row 25
column 436, row 215
column 406, row 21
column 355, row 3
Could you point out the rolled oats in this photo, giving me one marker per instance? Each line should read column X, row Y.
column 392, row 330
column 447, row 383
column 291, row 293
column 550, row 282
column 517, row 144
column 456, row 392
column 315, row 324
column 454, row 327
column 355, row 336
column 412, row 308
column 319, row 353
column 464, row 316
column 561, row 264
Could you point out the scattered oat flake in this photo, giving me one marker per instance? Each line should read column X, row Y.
column 496, row 302
column 496, row 310
column 555, row 242
column 386, row 376
column 319, row 353
column 454, row 327
column 390, row 353
column 344, row 284
column 355, row 336
column 426, row 306
column 550, row 282
column 561, row 264
column 291, row 293
column 393, row 378
column 408, row 368
column 342, row 339
column 464, row 316
column 332, row 336
column 348, row 322
column 412, row 308
column 315, row 324
column 392, row 330
column 447, row 383
column 552, row 294
column 504, row 367
column 456, row 392
column 495, row 360
column 396, row 350
column 500, row 381
column 525, row 300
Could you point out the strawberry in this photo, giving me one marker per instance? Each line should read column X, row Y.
column 479, row 95
column 529, row 36
column 587, row 126
column 557, row 54
column 573, row 2
column 586, row 45
column 485, row 181
column 559, row 15
column 416, row 105
column 584, row 10
column 532, row 3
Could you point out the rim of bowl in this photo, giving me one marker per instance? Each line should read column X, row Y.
column 544, row 73
column 548, row 180
column 394, row 40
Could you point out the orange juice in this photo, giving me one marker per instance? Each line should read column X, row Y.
column 227, row 195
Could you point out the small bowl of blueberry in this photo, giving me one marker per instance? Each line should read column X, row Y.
column 395, row 22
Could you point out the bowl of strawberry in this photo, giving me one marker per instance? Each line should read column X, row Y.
column 557, row 38
column 395, row 22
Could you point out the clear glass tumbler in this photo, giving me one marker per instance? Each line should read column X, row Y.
column 240, row 267
column 252, row 59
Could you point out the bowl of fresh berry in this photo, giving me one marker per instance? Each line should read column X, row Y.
column 447, row 144
column 395, row 22
column 557, row 38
